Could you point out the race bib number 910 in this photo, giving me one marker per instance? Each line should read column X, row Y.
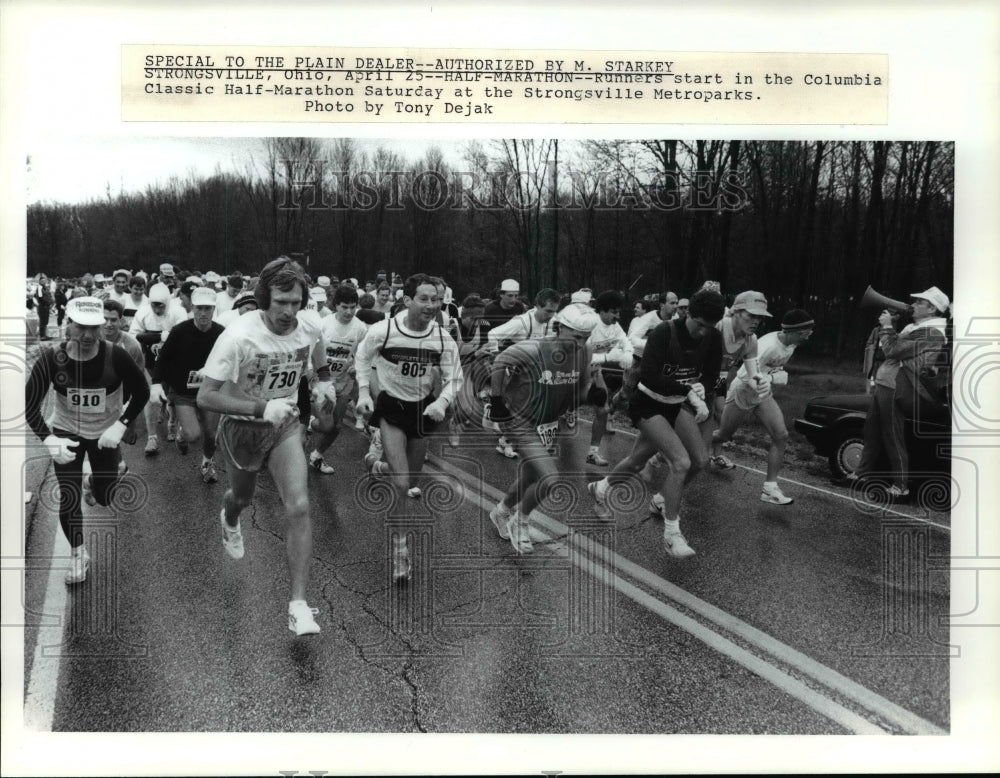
column 87, row 400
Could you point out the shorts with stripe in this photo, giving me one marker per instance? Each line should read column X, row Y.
column 246, row 444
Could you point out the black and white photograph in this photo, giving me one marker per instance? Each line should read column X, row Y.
column 334, row 437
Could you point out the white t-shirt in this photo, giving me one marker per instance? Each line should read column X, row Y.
column 520, row 328
column 605, row 337
column 258, row 364
column 772, row 356
column 341, row 345
column 223, row 303
column 640, row 328
column 147, row 321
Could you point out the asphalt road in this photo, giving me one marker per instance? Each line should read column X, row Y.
column 820, row 617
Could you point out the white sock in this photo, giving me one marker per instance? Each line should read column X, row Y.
column 602, row 487
column 595, row 449
column 503, row 510
column 770, row 485
column 672, row 526
column 314, row 455
column 293, row 602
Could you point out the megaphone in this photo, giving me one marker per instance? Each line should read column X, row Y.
column 872, row 299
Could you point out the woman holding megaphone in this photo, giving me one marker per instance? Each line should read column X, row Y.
column 915, row 346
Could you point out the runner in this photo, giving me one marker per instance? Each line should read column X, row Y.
column 136, row 300
column 411, row 352
column 151, row 325
column 252, row 378
column 532, row 384
column 612, row 356
column 470, row 333
column 679, row 361
column 530, row 325
column 342, row 332
column 89, row 377
column 747, row 397
column 739, row 344
column 178, row 368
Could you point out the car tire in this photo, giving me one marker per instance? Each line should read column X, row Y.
column 845, row 454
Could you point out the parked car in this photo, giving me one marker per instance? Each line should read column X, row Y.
column 835, row 424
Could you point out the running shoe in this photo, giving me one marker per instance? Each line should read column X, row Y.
column 600, row 504
column 656, row 505
column 722, row 462
column 896, row 493
column 773, row 495
column 88, row 490
column 517, row 528
column 594, row 458
column 570, row 418
column 79, row 566
column 401, row 567
column 413, row 491
column 317, row 463
column 302, row 618
column 370, row 459
column 503, row 447
column 152, row 446
column 232, row 537
column 182, row 444
column 500, row 516
column 676, row 546
column 359, row 423
column 208, row 474
column 171, row 431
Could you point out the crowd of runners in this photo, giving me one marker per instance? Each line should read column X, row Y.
column 267, row 371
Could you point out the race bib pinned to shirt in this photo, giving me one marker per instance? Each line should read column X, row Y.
column 87, row 400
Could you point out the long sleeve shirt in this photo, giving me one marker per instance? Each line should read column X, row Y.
column 673, row 360
column 917, row 345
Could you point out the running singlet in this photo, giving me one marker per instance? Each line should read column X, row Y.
column 409, row 362
column 88, row 395
column 545, row 379
column 733, row 351
column 256, row 363
column 341, row 345
column 673, row 360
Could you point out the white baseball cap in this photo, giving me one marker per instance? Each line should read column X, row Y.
column 323, row 281
column 317, row 293
column 581, row 296
column 202, row 296
column 85, row 311
column 935, row 297
column 158, row 293
column 509, row 285
column 578, row 318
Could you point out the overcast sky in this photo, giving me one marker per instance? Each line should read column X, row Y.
column 81, row 169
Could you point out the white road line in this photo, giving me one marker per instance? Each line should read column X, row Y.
column 887, row 710
column 882, row 509
column 40, row 699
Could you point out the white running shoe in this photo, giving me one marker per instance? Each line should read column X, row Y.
column 601, row 509
column 503, row 447
column 413, row 491
column 774, row 495
column 317, row 463
column 232, row 537
column 302, row 618
column 595, row 458
column 500, row 516
column 79, row 566
column 517, row 529
column 208, row 473
column 152, row 446
column 676, row 546
column 722, row 462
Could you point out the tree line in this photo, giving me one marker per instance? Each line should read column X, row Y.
column 811, row 224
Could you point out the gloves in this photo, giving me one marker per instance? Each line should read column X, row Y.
column 156, row 394
column 61, row 449
column 323, row 392
column 276, row 411
column 497, row 410
column 365, row 405
column 700, row 408
column 699, row 390
column 597, row 397
column 112, row 436
column 436, row 410
column 779, row 378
